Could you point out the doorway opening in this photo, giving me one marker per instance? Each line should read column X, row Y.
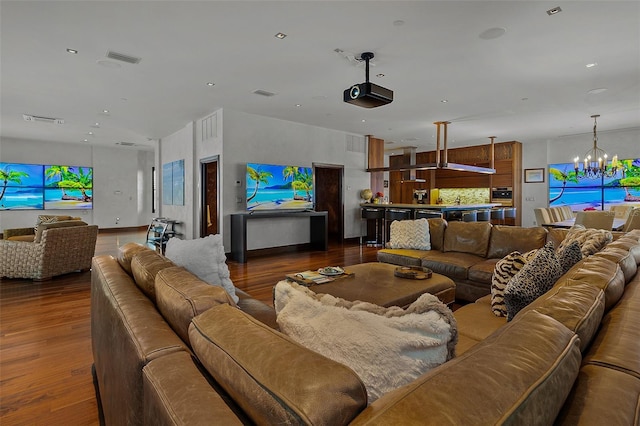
column 328, row 193
column 209, row 197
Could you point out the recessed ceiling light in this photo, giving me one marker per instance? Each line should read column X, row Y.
column 398, row 23
column 591, row 65
column 380, row 75
column 492, row 33
column 554, row 11
column 85, row 140
column 597, row 91
column 280, row 35
column 210, row 84
column 72, row 51
column 105, row 111
column 444, row 101
column 298, row 105
column 364, row 121
column 90, row 133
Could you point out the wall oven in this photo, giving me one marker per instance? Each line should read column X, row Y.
column 502, row 195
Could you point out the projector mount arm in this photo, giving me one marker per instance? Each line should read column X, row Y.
column 366, row 56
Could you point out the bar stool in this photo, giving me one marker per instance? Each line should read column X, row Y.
column 470, row 216
column 497, row 216
column 453, row 215
column 483, row 215
column 390, row 216
column 427, row 214
column 510, row 213
column 370, row 213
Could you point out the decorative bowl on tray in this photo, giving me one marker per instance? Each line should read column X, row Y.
column 413, row 272
column 331, row 271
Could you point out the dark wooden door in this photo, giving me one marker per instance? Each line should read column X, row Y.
column 209, row 211
column 328, row 194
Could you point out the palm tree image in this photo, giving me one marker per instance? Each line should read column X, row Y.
column 630, row 178
column 304, row 182
column 60, row 172
column 69, row 179
column 291, row 172
column 12, row 176
column 259, row 177
column 563, row 177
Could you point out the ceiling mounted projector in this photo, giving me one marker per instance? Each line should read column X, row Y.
column 368, row 95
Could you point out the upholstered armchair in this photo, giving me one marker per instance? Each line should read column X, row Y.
column 56, row 250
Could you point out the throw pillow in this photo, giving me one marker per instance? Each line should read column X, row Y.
column 590, row 240
column 203, row 257
column 386, row 347
column 410, row 234
column 506, row 268
column 534, row 279
column 569, row 256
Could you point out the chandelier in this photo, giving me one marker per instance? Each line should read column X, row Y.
column 595, row 163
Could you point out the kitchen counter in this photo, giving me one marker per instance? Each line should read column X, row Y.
column 438, row 207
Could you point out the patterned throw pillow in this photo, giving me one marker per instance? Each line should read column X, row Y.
column 534, row 279
column 590, row 240
column 410, row 234
column 505, row 269
column 569, row 256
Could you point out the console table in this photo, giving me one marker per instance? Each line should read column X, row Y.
column 317, row 227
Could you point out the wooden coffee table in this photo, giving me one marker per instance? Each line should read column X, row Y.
column 375, row 283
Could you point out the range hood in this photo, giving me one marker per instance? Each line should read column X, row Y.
column 442, row 161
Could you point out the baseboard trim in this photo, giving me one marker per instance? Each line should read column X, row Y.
column 126, row 228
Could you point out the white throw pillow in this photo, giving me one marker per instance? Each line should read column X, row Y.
column 203, row 257
column 410, row 234
column 386, row 347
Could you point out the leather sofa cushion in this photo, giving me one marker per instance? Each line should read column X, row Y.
column 126, row 253
column 476, row 321
column 260, row 311
column 273, row 379
column 452, row 266
column 600, row 272
column 144, row 266
column 483, row 271
column 470, row 389
column 60, row 224
column 26, row 238
column 467, row 237
column 437, row 226
column 507, row 239
column 578, row 307
column 180, row 296
column 624, row 259
column 557, row 235
column 402, row 257
column 617, row 345
column 176, row 393
column 601, row 396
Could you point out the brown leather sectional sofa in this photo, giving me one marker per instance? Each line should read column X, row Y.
column 467, row 252
column 170, row 349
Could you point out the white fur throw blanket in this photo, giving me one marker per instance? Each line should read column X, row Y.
column 386, row 347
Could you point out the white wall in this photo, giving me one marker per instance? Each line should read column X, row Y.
column 180, row 146
column 257, row 139
column 537, row 154
column 121, row 187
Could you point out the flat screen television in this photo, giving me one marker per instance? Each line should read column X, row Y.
column 279, row 187
column 580, row 193
column 42, row 187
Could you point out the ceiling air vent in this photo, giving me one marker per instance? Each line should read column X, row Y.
column 38, row 119
column 122, row 57
column 263, row 93
column 126, row 143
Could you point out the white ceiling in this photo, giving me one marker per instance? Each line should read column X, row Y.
column 530, row 84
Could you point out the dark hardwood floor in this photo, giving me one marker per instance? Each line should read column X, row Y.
column 45, row 336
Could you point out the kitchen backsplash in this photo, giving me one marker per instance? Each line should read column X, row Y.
column 467, row 195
